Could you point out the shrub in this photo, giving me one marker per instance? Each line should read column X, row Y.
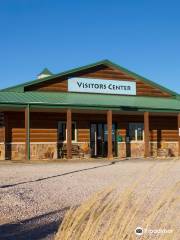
column 112, row 215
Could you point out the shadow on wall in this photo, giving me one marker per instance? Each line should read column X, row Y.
column 8, row 151
column 40, row 227
column 159, row 137
column 60, row 150
column 128, row 149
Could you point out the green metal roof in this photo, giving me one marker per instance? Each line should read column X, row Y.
column 84, row 100
column 16, row 96
column 20, row 87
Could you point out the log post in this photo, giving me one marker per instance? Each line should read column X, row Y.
column 27, row 130
column 109, row 127
column 7, row 145
column 178, row 118
column 69, row 134
column 146, row 134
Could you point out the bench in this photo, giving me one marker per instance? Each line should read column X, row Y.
column 76, row 151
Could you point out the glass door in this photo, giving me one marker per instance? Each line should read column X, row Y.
column 93, row 139
column 99, row 139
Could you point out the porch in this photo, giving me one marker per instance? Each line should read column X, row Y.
column 55, row 133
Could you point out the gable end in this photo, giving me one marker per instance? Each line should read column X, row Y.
column 101, row 70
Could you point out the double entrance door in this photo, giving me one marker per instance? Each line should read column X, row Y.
column 99, row 139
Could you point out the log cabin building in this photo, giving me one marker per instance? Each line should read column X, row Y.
column 98, row 110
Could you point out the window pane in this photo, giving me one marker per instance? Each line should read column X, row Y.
column 93, row 132
column 139, row 133
column 62, row 131
column 132, row 129
column 136, row 131
column 105, row 133
column 100, row 131
column 73, row 132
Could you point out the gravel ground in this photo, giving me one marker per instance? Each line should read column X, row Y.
column 34, row 197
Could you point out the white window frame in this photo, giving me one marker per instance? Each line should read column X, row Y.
column 64, row 122
column 136, row 140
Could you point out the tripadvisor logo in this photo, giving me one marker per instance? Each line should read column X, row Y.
column 139, row 231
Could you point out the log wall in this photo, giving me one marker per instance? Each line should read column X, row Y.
column 44, row 126
column 103, row 72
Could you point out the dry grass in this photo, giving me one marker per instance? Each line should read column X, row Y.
column 113, row 215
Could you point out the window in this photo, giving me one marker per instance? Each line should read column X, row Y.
column 62, row 132
column 136, row 131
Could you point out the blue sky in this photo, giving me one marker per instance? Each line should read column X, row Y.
column 141, row 35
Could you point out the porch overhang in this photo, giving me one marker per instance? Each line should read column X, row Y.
column 65, row 100
column 14, row 107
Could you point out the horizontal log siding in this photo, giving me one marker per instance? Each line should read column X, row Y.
column 103, row 72
column 1, row 134
column 83, row 131
column 1, row 127
column 55, row 86
column 161, row 128
column 44, row 126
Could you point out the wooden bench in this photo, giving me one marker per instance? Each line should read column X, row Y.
column 76, row 151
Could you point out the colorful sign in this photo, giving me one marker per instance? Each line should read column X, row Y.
column 91, row 85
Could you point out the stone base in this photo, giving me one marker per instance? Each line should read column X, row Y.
column 16, row 151
column 41, row 151
column 38, row 151
column 130, row 149
column 173, row 149
column 121, row 150
column 170, row 147
column 137, row 149
column 2, row 152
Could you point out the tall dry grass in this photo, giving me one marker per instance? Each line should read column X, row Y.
column 112, row 215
